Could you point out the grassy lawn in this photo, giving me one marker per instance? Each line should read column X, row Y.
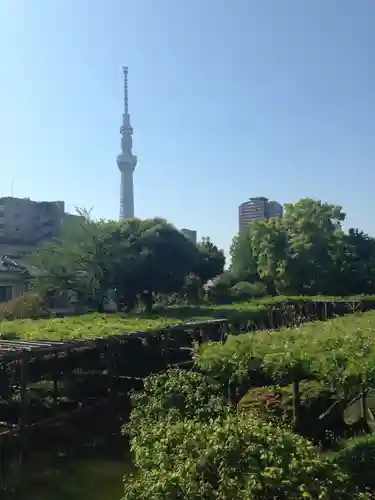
column 74, row 480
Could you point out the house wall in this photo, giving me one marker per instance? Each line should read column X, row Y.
column 14, row 281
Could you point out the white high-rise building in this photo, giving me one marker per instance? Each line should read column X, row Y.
column 126, row 161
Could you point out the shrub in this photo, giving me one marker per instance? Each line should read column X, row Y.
column 29, row 305
column 244, row 291
column 218, row 289
column 357, row 459
column 275, row 404
column 234, row 458
column 177, row 394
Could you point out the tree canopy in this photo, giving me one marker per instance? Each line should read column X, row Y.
column 306, row 252
column 133, row 258
column 211, row 260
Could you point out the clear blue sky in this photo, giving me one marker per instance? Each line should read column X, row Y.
column 229, row 99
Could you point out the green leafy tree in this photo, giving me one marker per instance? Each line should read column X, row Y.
column 163, row 258
column 269, row 240
column 135, row 258
column 356, row 263
column 261, row 253
column 306, row 252
column 244, row 264
column 314, row 236
column 79, row 261
column 211, row 260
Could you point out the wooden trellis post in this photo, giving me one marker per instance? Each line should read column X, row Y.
column 296, row 402
column 363, row 403
column 55, row 382
column 166, row 335
column 3, row 460
column 111, row 371
column 24, row 397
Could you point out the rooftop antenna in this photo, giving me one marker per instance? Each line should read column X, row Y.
column 12, row 188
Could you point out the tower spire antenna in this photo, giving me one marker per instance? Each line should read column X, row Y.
column 126, row 107
column 126, row 161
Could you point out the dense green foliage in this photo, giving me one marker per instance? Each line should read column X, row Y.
column 211, row 261
column 246, row 291
column 233, row 458
column 177, row 394
column 98, row 325
column 187, row 439
column 255, row 314
column 130, row 260
column 29, row 305
column 188, row 445
column 357, row 459
column 87, row 326
column 275, row 404
column 339, row 353
column 306, row 252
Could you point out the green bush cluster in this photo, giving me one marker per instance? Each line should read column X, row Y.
column 357, row 459
column 176, row 394
column 232, row 459
column 275, row 404
column 246, row 291
column 188, row 445
column 29, row 305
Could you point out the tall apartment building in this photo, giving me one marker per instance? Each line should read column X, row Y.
column 28, row 223
column 191, row 234
column 257, row 209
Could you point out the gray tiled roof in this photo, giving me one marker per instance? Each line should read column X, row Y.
column 9, row 265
